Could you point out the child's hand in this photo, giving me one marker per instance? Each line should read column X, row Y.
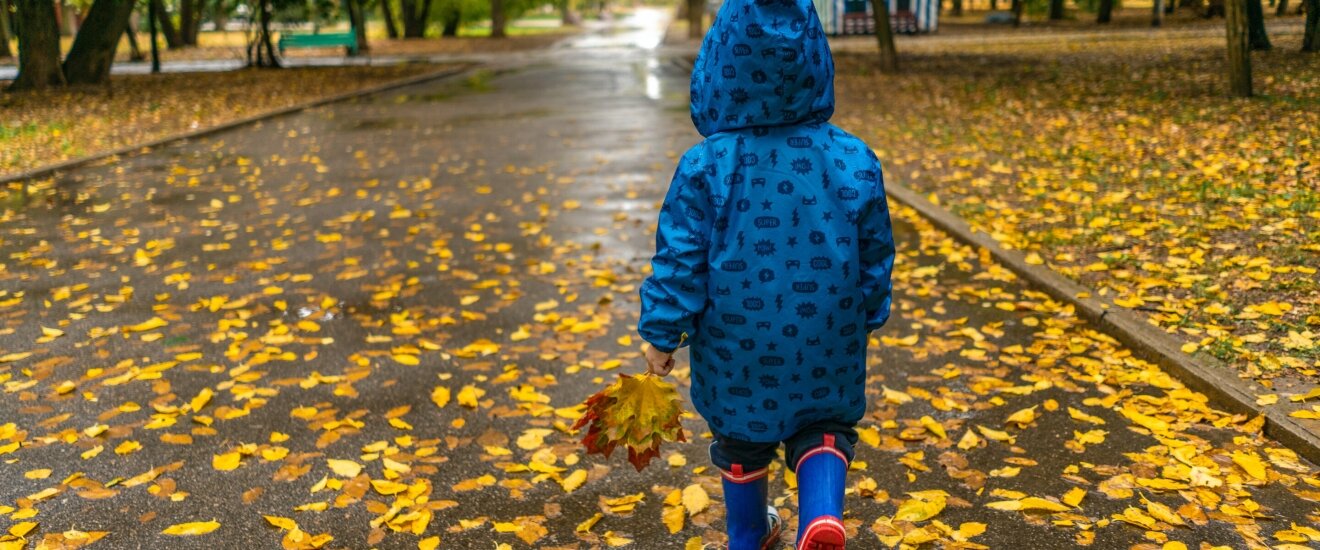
column 658, row 362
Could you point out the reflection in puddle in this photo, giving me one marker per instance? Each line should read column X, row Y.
column 644, row 29
column 652, row 79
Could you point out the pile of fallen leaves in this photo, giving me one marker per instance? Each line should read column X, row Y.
column 41, row 128
column 1119, row 162
column 639, row 412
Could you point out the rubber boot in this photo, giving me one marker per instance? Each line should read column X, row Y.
column 751, row 523
column 820, row 477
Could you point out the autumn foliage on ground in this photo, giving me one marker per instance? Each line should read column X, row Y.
column 373, row 325
column 1119, row 162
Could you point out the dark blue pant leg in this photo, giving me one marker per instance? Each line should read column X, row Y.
column 812, row 436
column 749, row 456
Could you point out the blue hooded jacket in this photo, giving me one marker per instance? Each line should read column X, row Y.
column 774, row 247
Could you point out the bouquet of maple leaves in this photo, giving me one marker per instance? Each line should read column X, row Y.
column 638, row 412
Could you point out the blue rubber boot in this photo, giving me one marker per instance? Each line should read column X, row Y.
column 820, row 477
column 751, row 523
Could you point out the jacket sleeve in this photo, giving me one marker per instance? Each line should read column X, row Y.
column 674, row 296
column 877, row 255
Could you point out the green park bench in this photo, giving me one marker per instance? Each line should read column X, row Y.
column 320, row 40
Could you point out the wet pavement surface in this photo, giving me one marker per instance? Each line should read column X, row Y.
column 375, row 317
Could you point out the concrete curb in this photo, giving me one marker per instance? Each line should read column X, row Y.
column 50, row 170
column 1199, row 372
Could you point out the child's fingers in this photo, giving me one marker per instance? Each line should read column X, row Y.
column 660, row 369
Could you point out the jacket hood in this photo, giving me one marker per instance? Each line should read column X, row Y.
column 763, row 63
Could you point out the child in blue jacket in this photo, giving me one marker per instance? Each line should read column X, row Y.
column 773, row 258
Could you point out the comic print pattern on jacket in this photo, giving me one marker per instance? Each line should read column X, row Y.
column 774, row 247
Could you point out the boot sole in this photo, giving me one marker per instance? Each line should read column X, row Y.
column 823, row 533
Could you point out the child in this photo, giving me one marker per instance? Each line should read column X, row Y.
column 773, row 258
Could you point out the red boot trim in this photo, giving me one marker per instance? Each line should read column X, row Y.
column 826, row 447
column 737, row 475
column 823, row 533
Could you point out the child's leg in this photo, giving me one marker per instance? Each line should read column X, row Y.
column 752, row 525
column 819, row 455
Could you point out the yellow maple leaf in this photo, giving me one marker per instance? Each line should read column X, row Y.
column 673, row 517
column 226, row 462
column 203, row 397
column 1250, row 463
column 695, row 499
column 894, row 396
column 191, row 529
column 440, row 396
column 585, row 526
column 933, row 427
column 968, row 440
column 283, row 523
column 388, row 487
column 1074, row 496
column 1023, row 417
column 469, row 395
column 574, row 480
column 150, row 324
column 920, row 509
column 344, row 468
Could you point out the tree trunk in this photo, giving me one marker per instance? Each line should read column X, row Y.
column 166, row 26
column 1157, row 13
column 93, row 50
column 1239, row 48
column 220, row 15
column 497, row 22
column 1056, row 10
column 4, row 31
column 134, row 50
column 38, row 46
column 408, row 12
column 1106, row 11
column 884, row 36
column 261, row 50
column 415, row 17
column 1017, row 13
column 994, row 5
column 355, row 16
column 1282, row 8
column 190, row 18
column 1260, row 41
column 387, row 13
column 452, row 19
column 957, row 9
column 568, row 14
column 152, row 17
column 186, row 37
column 696, row 16
column 1311, row 38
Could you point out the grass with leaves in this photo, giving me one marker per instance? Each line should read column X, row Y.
column 40, row 128
column 1121, row 163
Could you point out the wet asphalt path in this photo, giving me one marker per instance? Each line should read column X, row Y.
column 495, row 228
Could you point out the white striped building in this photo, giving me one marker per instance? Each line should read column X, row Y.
column 856, row 16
